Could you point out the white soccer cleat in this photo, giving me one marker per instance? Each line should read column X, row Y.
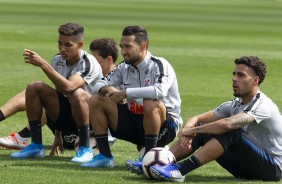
column 14, row 141
column 82, row 155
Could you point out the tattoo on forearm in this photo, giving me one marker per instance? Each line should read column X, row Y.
column 239, row 120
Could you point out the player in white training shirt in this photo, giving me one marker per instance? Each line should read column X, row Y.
column 73, row 72
column 243, row 135
column 151, row 115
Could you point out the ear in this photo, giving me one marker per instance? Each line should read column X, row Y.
column 109, row 59
column 143, row 46
column 257, row 79
column 80, row 44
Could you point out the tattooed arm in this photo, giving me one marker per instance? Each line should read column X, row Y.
column 220, row 126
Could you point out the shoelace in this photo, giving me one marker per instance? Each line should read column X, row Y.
column 80, row 152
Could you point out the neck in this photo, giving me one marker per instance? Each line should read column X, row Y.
column 74, row 59
column 248, row 97
column 108, row 70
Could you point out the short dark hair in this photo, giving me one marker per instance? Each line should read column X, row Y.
column 72, row 29
column 106, row 47
column 139, row 32
column 256, row 64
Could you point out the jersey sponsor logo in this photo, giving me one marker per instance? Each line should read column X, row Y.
column 70, row 138
column 60, row 64
column 136, row 108
column 147, row 82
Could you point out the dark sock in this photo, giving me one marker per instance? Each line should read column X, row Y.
column 150, row 142
column 103, row 144
column 84, row 135
column 35, row 131
column 189, row 165
column 2, row 117
column 24, row 133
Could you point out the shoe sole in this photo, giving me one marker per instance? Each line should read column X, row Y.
column 41, row 154
column 134, row 169
column 159, row 176
column 11, row 147
column 107, row 165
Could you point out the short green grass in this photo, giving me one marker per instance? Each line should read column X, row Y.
column 201, row 39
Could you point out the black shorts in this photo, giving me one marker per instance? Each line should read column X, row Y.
column 130, row 128
column 243, row 156
column 64, row 123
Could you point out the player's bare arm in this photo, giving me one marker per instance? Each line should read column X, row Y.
column 220, row 126
column 62, row 84
column 106, row 90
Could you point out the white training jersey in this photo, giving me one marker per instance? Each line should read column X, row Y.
column 87, row 67
column 153, row 78
column 267, row 127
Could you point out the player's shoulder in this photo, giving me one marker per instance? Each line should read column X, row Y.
column 57, row 59
column 89, row 58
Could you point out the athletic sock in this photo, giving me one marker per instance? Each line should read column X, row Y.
column 2, row 117
column 150, row 142
column 189, row 165
column 24, row 133
column 84, row 135
column 35, row 131
column 103, row 144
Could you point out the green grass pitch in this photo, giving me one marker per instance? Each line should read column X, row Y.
column 201, row 39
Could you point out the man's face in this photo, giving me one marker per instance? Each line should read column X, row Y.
column 130, row 50
column 69, row 47
column 102, row 61
column 244, row 80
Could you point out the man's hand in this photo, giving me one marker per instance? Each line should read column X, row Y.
column 57, row 147
column 118, row 96
column 186, row 136
column 33, row 58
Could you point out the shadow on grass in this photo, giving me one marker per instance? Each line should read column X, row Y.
column 191, row 179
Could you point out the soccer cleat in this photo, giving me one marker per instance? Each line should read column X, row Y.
column 168, row 172
column 83, row 154
column 32, row 150
column 99, row 160
column 135, row 167
column 14, row 141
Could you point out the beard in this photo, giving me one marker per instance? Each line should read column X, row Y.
column 236, row 94
column 132, row 60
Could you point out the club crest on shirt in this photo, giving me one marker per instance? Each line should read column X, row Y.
column 60, row 64
column 147, row 82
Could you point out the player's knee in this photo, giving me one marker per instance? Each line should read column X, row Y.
column 79, row 96
column 96, row 100
column 36, row 86
column 152, row 106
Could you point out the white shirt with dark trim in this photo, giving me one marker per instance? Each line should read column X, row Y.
column 87, row 67
column 267, row 128
column 153, row 78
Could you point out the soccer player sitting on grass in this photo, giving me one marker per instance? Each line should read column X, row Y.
column 106, row 52
column 150, row 116
column 243, row 135
column 73, row 72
